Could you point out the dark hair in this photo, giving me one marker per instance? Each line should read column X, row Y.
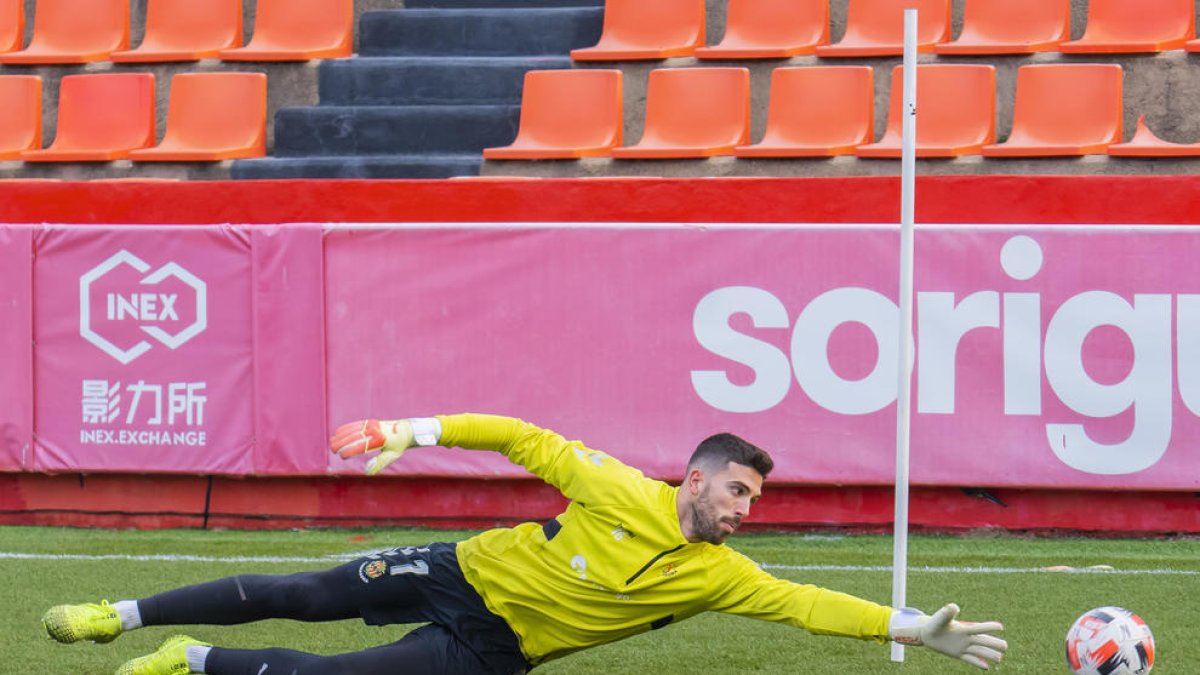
column 718, row 450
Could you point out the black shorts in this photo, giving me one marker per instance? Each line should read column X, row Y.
column 425, row 584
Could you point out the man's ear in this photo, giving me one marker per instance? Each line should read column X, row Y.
column 694, row 480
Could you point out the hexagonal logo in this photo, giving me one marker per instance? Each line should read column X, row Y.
column 121, row 299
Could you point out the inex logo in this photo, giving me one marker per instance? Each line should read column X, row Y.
column 114, row 304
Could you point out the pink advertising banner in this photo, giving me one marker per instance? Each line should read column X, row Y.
column 1044, row 356
column 177, row 349
column 16, row 348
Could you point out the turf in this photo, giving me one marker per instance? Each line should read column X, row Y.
column 990, row 577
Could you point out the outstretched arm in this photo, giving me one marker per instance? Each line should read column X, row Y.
column 748, row 590
column 576, row 470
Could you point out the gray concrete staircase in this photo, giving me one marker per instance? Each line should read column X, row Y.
column 432, row 85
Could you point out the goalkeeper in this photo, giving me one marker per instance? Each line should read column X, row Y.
column 628, row 555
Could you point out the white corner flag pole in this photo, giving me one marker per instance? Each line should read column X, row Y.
column 908, row 169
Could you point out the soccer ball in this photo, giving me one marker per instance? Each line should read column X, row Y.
column 1110, row 641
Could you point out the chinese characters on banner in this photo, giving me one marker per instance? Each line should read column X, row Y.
column 144, row 353
column 184, row 406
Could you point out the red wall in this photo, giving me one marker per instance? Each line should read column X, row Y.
column 940, row 199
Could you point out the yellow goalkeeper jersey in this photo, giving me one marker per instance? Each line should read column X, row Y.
column 615, row 563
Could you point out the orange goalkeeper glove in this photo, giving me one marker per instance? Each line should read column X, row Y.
column 390, row 438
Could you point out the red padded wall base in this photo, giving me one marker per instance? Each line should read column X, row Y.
column 269, row 503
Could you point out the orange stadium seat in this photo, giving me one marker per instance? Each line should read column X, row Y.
column 211, row 117
column 1146, row 143
column 20, row 114
column 643, row 29
column 74, row 31
column 693, row 112
column 567, row 114
column 1011, row 27
column 1122, row 26
column 12, row 25
column 771, row 29
column 876, row 28
column 817, row 111
column 1064, row 110
column 298, row 30
column 101, row 117
column 957, row 112
column 186, row 30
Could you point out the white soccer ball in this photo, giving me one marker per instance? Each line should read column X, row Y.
column 1110, row 641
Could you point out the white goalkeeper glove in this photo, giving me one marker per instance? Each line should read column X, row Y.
column 390, row 438
column 970, row 642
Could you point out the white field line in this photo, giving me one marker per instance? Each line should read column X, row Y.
column 978, row 570
column 342, row 557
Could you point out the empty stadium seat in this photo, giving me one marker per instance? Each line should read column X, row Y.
column 693, row 112
column 100, row 118
column 771, row 29
column 74, row 31
column 567, row 114
column 641, row 29
column 212, row 117
column 957, row 112
column 12, row 25
column 1145, row 143
column 1011, row 27
column 1122, row 26
column 186, row 30
column 1064, row 110
column 20, row 114
column 817, row 111
column 876, row 27
column 298, row 30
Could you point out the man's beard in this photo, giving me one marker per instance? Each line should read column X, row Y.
column 705, row 523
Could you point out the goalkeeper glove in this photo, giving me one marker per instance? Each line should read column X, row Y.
column 970, row 642
column 390, row 438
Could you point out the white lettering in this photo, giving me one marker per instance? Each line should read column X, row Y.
column 142, row 307
column 168, row 307
column 1188, row 344
column 1147, row 387
column 810, row 350
column 710, row 323
column 942, row 325
column 1022, row 354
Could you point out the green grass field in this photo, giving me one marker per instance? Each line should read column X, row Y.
column 990, row 577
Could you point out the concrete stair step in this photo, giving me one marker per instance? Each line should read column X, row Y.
column 375, row 166
column 393, row 130
column 499, row 4
column 429, row 80
column 478, row 32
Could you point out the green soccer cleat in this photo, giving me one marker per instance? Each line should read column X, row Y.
column 72, row 623
column 170, row 659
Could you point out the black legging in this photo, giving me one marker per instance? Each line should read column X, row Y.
column 428, row 650
column 306, row 596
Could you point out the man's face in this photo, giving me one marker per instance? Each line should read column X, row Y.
column 724, row 500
